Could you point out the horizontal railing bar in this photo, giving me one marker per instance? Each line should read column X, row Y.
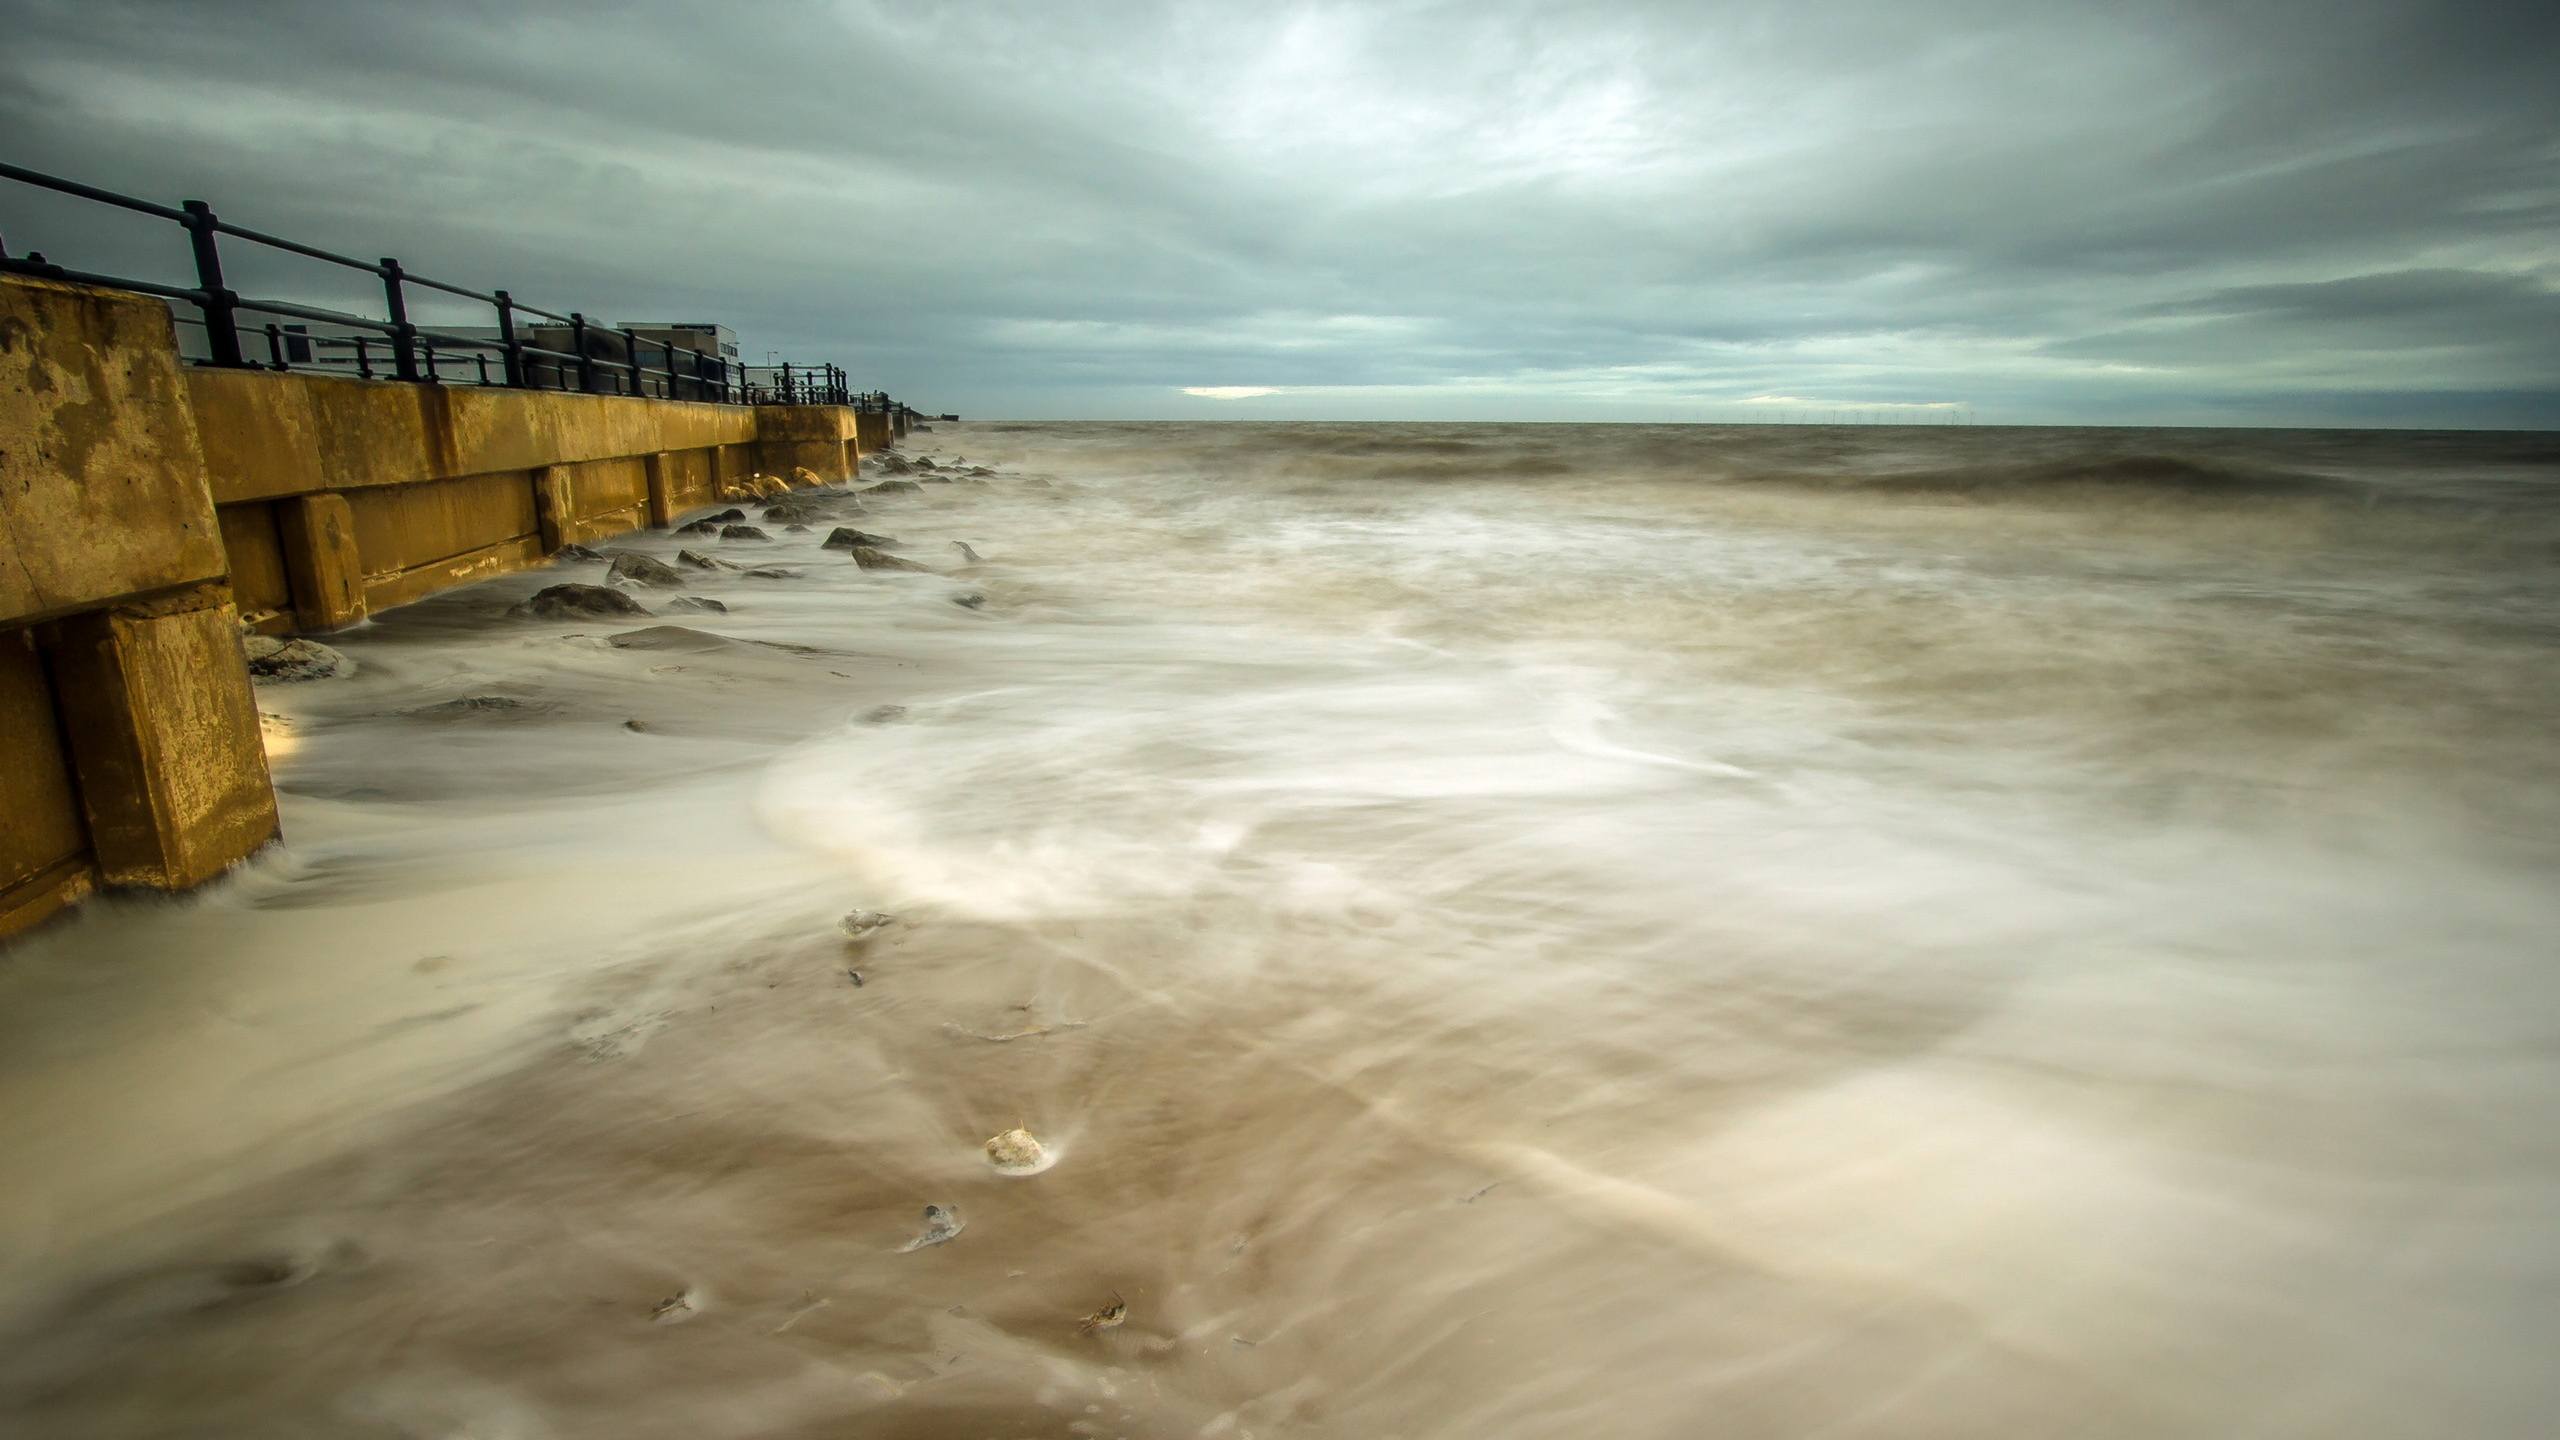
column 298, row 248
column 311, row 312
column 88, row 192
column 452, row 289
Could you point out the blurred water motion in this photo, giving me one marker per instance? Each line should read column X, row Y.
column 1522, row 931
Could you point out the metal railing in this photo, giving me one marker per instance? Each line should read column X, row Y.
column 533, row 348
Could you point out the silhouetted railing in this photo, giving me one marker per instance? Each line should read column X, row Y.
column 532, row 348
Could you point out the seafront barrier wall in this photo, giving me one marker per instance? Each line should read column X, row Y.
column 148, row 508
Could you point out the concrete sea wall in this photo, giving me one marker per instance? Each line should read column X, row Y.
column 149, row 508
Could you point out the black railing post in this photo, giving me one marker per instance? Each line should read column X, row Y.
column 631, row 360
column 221, row 307
column 507, row 337
column 786, row 382
column 586, row 365
column 668, row 349
column 404, row 336
column 364, row 359
column 275, row 346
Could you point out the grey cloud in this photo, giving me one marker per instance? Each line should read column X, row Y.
column 2149, row 211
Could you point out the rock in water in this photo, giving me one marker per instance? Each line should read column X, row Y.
column 893, row 487
column 940, row 1225
column 1017, row 1152
column 742, row 532
column 859, row 923
column 699, row 527
column 699, row 561
column 792, row 512
column 634, row 569
column 972, row 556
column 730, row 516
column 845, row 538
column 575, row 551
column 805, row 475
column 698, row 602
column 577, row 602
column 888, row 462
column 287, row 661
column 795, row 529
column 773, row 572
column 870, row 559
column 970, row 600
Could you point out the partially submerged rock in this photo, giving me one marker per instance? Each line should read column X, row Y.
column 893, row 487
column 288, row 661
column 859, row 923
column 742, row 532
column 698, row 602
column 577, row 602
column 972, row 556
column 636, row 569
column 699, row 527
column 730, row 516
column 1017, row 1152
column 670, row 637
column 970, row 599
column 806, row 476
column 575, row 551
column 773, row 572
column 941, row 1224
column 845, row 537
column 470, row 705
column 695, row 559
column 790, row 512
column 871, row 559
column 888, row 462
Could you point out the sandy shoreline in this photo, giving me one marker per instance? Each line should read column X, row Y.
column 1497, row 955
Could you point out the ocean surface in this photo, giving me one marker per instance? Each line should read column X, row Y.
column 1500, row 931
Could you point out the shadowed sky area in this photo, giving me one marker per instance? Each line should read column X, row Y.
column 2146, row 213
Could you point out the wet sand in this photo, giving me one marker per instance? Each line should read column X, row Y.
column 1485, row 958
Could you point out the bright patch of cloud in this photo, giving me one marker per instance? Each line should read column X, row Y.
column 1801, row 403
column 1230, row 392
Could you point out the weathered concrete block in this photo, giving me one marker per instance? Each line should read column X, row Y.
column 163, row 728
column 102, row 479
column 321, row 562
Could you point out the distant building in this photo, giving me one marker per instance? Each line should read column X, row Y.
column 706, row 339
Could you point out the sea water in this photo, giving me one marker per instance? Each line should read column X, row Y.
column 1528, row 931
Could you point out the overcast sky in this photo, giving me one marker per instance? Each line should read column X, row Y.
column 2247, row 212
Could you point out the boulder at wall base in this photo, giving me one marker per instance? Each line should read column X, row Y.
column 286, row 661
column 577, row 602
column 893, row 487
column 702, row 603
column 699, row 527
column 870, row 559
column 742, row 532
column 632, row 569
column 730, row 516
column 790, row 512
column 575, row 551
column 888, row 463
column 845, row 538
column 805, row 475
